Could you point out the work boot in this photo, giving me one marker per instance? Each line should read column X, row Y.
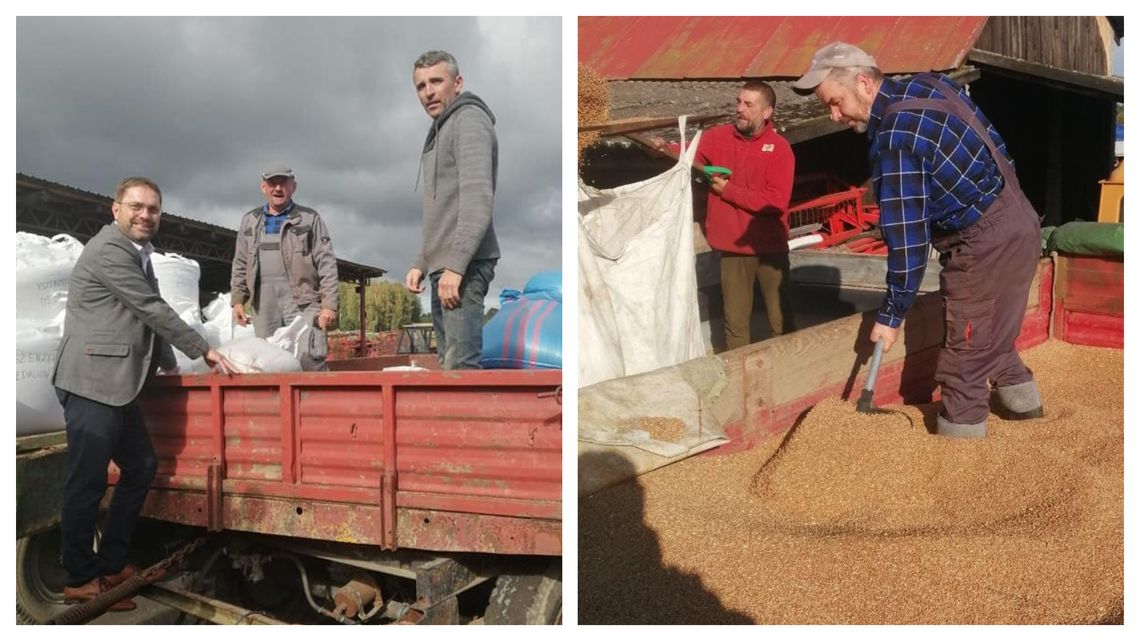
column 92, row 589
column 1019, row 402
column 960, row 430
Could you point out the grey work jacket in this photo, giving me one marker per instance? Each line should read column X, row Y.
column 306, row 251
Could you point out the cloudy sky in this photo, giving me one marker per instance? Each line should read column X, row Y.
column 201, row 105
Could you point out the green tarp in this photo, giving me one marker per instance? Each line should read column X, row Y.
column 1085, row 238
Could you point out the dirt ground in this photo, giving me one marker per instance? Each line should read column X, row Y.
column 850, row 518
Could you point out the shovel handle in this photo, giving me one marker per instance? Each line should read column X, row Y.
column 875, row 358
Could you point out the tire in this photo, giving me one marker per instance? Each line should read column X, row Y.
column 527, row 599
column 40, row 578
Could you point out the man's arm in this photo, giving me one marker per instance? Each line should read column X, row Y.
column 325, row 261
column 120, row 271
column 474, row 142
column 774, row 192
column 906, row 230
column 239, row 293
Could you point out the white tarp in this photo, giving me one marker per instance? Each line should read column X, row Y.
column 635, row 424
column 637, row 274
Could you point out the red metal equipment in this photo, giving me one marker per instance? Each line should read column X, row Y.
column 837, row 217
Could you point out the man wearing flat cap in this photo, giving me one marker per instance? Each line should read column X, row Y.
column 284, row 265
column 942, row 176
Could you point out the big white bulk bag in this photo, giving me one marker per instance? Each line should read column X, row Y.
column 177, row 281
column 637, row 274
column 43, row 273
column 37, row 407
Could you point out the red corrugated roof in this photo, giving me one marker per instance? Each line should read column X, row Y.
column 676, row 47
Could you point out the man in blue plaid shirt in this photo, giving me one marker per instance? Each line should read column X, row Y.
column 942, row 177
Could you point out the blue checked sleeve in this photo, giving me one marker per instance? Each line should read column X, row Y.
column 906, row 230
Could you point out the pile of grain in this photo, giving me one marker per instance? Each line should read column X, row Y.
column 593, row 105
column 854, row 518
column 660, row 428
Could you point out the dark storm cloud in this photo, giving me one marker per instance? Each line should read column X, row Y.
column 202, row 104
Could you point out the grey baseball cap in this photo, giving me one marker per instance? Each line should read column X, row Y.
column 833, row 56
column 275, row 170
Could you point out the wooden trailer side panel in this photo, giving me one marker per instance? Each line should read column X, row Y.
column 1090, row 301
column 830, row 360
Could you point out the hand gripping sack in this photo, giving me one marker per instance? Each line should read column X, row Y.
column 637, row 274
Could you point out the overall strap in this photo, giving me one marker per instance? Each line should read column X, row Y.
column 953, row 104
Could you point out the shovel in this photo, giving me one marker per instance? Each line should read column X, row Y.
column 866, row 405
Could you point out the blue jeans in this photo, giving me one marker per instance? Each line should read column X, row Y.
column 459, row 331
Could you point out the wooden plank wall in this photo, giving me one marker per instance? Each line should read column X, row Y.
column 1074, row 43
column 772, row 383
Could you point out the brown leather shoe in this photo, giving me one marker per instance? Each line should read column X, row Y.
column 128, row 571
column 92, row 589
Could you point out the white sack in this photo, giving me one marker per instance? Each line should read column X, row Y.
column 177, row 281
column 253, row 355
column 43, row 273
column 220, row 326
column 187, row 365
column 637, row 273
column 37, row 408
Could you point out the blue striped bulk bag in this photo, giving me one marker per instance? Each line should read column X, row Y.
column 546, row 285
column 526, row 333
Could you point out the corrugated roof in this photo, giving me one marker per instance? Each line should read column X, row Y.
column 681, row 47
column 797, row 116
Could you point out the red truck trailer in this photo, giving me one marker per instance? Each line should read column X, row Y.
column 353, row 495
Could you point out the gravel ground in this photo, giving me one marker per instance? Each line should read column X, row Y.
column 852, row 518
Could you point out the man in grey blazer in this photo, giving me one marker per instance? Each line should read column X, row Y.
column 117, row 332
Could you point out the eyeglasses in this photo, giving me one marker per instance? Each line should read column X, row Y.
column 138, row 208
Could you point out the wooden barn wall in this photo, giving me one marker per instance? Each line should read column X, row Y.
column 1061, row 142
column 1076, row 43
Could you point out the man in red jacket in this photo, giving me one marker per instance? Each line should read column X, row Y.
column 747, row 218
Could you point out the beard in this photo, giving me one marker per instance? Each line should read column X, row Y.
column 745, row 129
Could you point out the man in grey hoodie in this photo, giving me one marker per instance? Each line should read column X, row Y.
column 459, row 251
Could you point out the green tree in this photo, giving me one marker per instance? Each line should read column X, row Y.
column 387, row 305
column 349, row 305
column 489, row 314
column 390, row 305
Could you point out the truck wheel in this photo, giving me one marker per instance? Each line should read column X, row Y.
column 39, row 578
column 527, row 599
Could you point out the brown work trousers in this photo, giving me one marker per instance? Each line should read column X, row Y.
column 737, row 273
column 986, row 272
